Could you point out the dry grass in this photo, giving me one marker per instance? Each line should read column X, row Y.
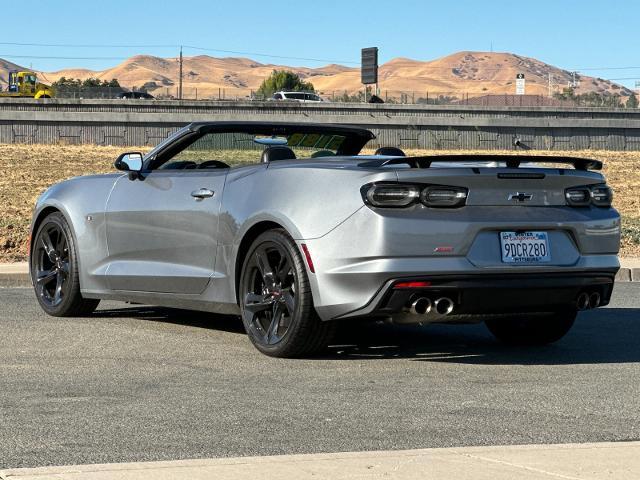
column 27, row 170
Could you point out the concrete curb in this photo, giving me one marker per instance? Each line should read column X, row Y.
column 620, row 460
column 17, row 274
column 14, row 275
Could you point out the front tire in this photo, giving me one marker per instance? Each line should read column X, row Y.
column 276, row 300
column 54, row 270
column 532, row 330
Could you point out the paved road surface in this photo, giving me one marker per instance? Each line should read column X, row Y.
column 137, row 383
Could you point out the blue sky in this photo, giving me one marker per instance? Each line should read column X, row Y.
column 570, row 34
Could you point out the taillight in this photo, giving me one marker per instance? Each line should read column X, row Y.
column 599, row 195
column 391, row 195
column 398, row 195
column 444, row 197
column 578, row 197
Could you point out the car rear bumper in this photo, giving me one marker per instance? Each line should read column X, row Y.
column 366, row 290
column 489, row 294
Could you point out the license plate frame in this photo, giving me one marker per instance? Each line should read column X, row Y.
column 525, row 247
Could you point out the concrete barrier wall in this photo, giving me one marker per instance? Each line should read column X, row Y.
column 140, row 122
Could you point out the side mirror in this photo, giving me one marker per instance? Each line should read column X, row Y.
column 130, row 162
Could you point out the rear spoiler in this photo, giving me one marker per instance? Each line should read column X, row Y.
column 512, row 161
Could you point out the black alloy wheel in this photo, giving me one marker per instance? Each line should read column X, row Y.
column 52, row 265
column 269, row 302
column 54, row 270
column 276, row 300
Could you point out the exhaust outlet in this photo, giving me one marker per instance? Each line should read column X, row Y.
column 582, row 302
column 594, row 300
column 420, row 306
column 443, row 306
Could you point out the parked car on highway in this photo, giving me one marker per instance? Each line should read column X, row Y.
column 297, row 97
column 304, row 232
column 135, row 95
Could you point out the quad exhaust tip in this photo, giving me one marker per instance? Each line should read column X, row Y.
column 583, row 301
column 443, row 306
column 425, row 306
column 421, row 306
column 594, row 300
column 587, row 300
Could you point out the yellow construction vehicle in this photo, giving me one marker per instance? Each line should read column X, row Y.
column 25, row 84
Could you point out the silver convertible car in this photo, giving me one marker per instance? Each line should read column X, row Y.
column 294, row 229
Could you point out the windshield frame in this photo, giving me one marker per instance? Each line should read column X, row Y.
column 355, row 138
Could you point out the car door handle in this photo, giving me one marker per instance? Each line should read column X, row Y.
column 202, row 193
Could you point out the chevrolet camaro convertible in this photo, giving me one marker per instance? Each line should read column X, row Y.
column 294, row 229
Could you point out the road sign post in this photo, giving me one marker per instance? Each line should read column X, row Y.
column 369, row 68
column 520, row 84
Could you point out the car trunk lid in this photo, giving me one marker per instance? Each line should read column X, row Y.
column 491, row 186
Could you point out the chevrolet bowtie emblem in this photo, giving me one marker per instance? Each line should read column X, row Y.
column 521, row 197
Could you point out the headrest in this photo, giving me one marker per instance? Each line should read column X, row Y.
column 278, row 152
column 390, row 152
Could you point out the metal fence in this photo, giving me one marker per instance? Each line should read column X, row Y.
column 88, row 92
column 393, row 97
column 336, row 96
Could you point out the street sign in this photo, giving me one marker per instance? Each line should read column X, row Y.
column 369, row 67
column 520, row 84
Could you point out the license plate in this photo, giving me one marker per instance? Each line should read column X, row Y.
column 525, row 247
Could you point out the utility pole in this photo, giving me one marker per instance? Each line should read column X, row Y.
column 550, row 85
column 574, row 80
column 180, row 76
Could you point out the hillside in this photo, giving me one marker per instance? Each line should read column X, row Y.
column 473, row 73
column 5, row 68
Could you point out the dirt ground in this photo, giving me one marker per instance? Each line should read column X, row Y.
column 27, row 170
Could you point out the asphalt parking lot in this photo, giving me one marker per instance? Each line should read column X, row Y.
column 137, row 383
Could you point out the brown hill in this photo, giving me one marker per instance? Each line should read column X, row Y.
column 472, row 73
column 5, row 68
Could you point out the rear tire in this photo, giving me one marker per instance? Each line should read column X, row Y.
column 54, row 270
column 532, row 330
column 276, row 300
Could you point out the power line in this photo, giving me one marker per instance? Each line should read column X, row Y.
column 75, row 45
column 191, row 47
column 256, row 54
column 38, row 57
column 608, row 68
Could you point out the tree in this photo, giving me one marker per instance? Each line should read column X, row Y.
column 632, row 101
column 88, row 83
column 591, row 99
column 283, row 80
column 66, row 83
column 568, row 93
